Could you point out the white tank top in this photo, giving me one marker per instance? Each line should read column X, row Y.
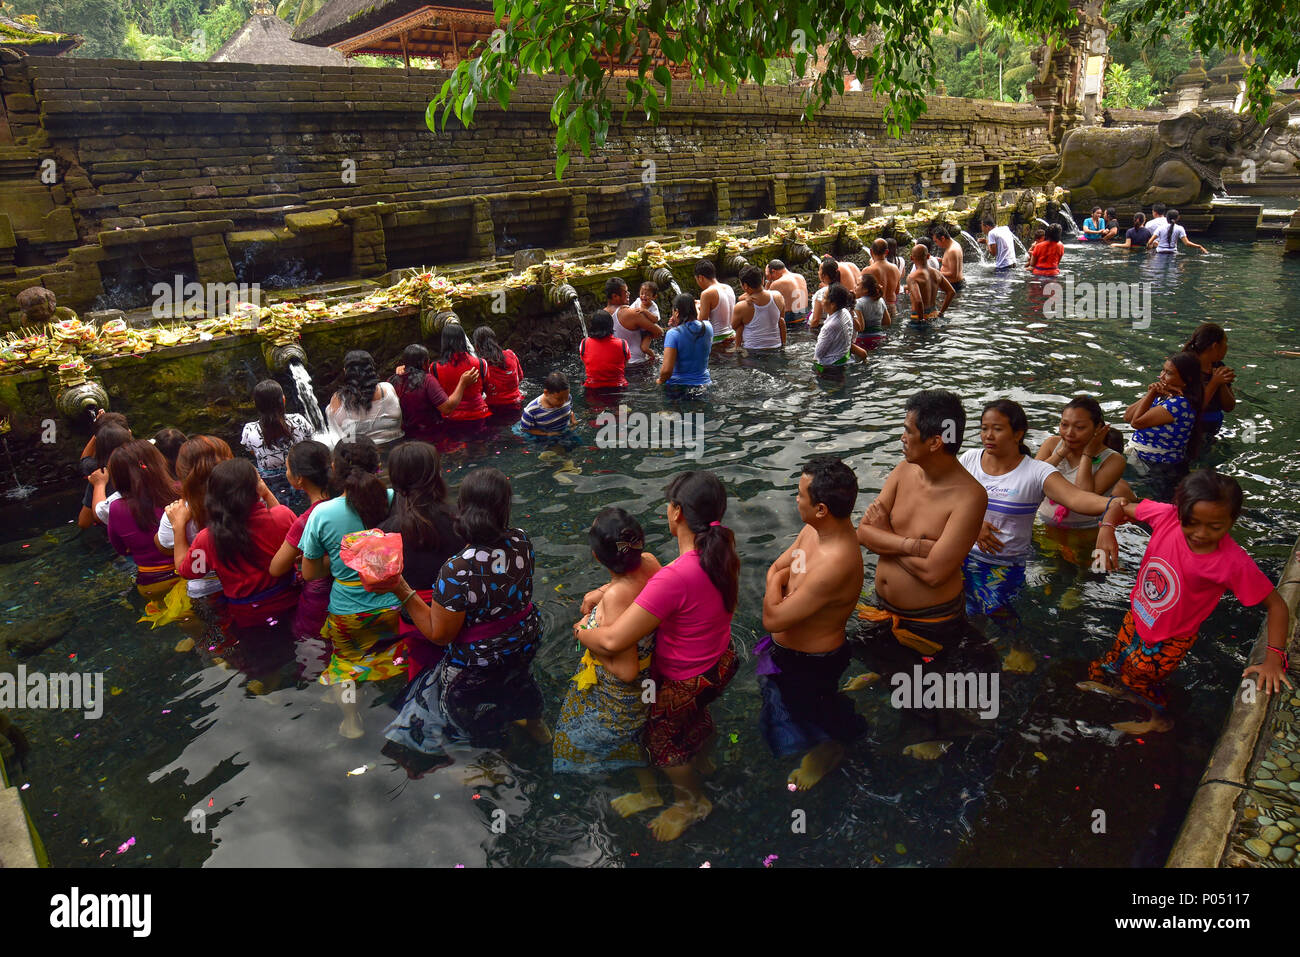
column 764, row 330
column 632, row 337
column 721, row 314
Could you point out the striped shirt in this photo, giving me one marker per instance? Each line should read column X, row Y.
column 1013, row 502
column 544, row 418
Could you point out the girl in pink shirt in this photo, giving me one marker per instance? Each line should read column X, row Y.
column 690, row 602
column 1189, row 563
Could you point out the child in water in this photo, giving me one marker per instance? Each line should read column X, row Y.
column 550, row 415
column 604, row 713
column 1189, row 563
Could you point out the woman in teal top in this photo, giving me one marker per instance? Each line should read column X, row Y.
column 361, row 626
column 686, row 346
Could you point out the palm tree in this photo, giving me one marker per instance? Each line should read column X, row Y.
column 974, row 26
column 296, row 11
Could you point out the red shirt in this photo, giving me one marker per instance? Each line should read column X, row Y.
column 606, row 361
column 1045, row 257
column 249, row 577
column 472, row 405
column 503, row 384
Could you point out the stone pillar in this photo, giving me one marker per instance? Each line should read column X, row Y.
column 779, row 200
column 211, row 260
column 369, row 250
column 830, row 191
column 658, row 216
column 1291, row 243
column 1189, row 86
column 576, row 226
column 723, row 196
column 482, row 239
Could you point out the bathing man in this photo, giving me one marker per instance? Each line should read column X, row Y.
column 887, row 275
column 811, row 591
column 953, row 258
column 923, row 285
column 793, row 289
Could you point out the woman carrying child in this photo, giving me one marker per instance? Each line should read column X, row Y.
column 604, row 712
column 689, row 604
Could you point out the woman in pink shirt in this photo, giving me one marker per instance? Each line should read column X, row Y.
column 690, row 602
column 1190, row 561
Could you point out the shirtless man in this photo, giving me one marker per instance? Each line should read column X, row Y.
column 631, row 321
column 923, row 285
column 953, row 258
column 811, row 591
column 887, row 275
column 793, row 289
column 761, row 311
column 927, row 517
column 717, row 299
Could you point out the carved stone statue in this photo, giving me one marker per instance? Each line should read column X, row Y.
column 1178, row 161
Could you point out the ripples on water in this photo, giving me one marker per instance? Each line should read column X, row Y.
column 271, row 772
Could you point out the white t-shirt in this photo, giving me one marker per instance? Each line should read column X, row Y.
column 101, row 510
column 1167, row 238
column 1003, row 244
column 720, row 315
column 1157, row 224
column 1013, row 501
column 835, row 337
column 209, row 584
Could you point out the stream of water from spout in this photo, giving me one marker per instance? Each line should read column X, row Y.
column 969, row 242
column 19, row 490
column 577, row 309
column 322, row 431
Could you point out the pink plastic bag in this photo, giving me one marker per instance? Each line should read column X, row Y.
column 375, row 555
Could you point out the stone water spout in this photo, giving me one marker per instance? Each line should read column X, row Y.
column 432, row 321
column 734, row 263
column 560, row 295
column 663, row 278
column 796, row 253
column 81, row 400
column 278, row 357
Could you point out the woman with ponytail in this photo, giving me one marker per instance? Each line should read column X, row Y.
column 245, row 528
column 145, row 487
column 1015, row 483
column 428, row 528
column 361, row 625
column 1209, row 343
column 689, row 604
column 482, row 615
column 686, row 346
column 270, row 437
column 1167, row 423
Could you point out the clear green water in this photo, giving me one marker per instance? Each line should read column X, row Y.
column 183, row 733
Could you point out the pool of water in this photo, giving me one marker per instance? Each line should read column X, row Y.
column 272, row 776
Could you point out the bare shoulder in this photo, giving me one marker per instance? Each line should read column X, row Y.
column 970, row 491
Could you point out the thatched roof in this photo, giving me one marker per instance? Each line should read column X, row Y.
column 343, row 19
column 24, row 39
column 268, row 39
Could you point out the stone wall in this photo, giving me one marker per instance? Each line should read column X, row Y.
column 224, row 171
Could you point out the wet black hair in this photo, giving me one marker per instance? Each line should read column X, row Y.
column 829, row 269
column 455, row 343
column 556, row 382
column 988, row 221
column 891, row 246
column 1014, row 413
column 1207, row 334
column 1159, row 209
column 168, row 441
column 937, row 411
column 1089, row 405
column 703, row 501
column 684, row 305
column 1110, row 213
column 310, row 461
column 775, row 264
column 617, row 540
column 839, row 296
column 356, row 463
column 483, row 504
column 613, row 286
column 941, row 232
column 1138, row 219
column 1173, row 216
column 487, row 347
column 1054, row 233
column 706, row 269
column 601, row 325
column 415, row 469
column 1206, row 485
column 869, row 285
column 415, row 358
column 359, row 381
column 108, row 438
column 1188, row 365
column 751, row 277
column 268, row 399
column 833, row 484
column 230, row 499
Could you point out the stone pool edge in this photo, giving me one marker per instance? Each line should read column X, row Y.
column 18, row 841
column 1212, row 818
